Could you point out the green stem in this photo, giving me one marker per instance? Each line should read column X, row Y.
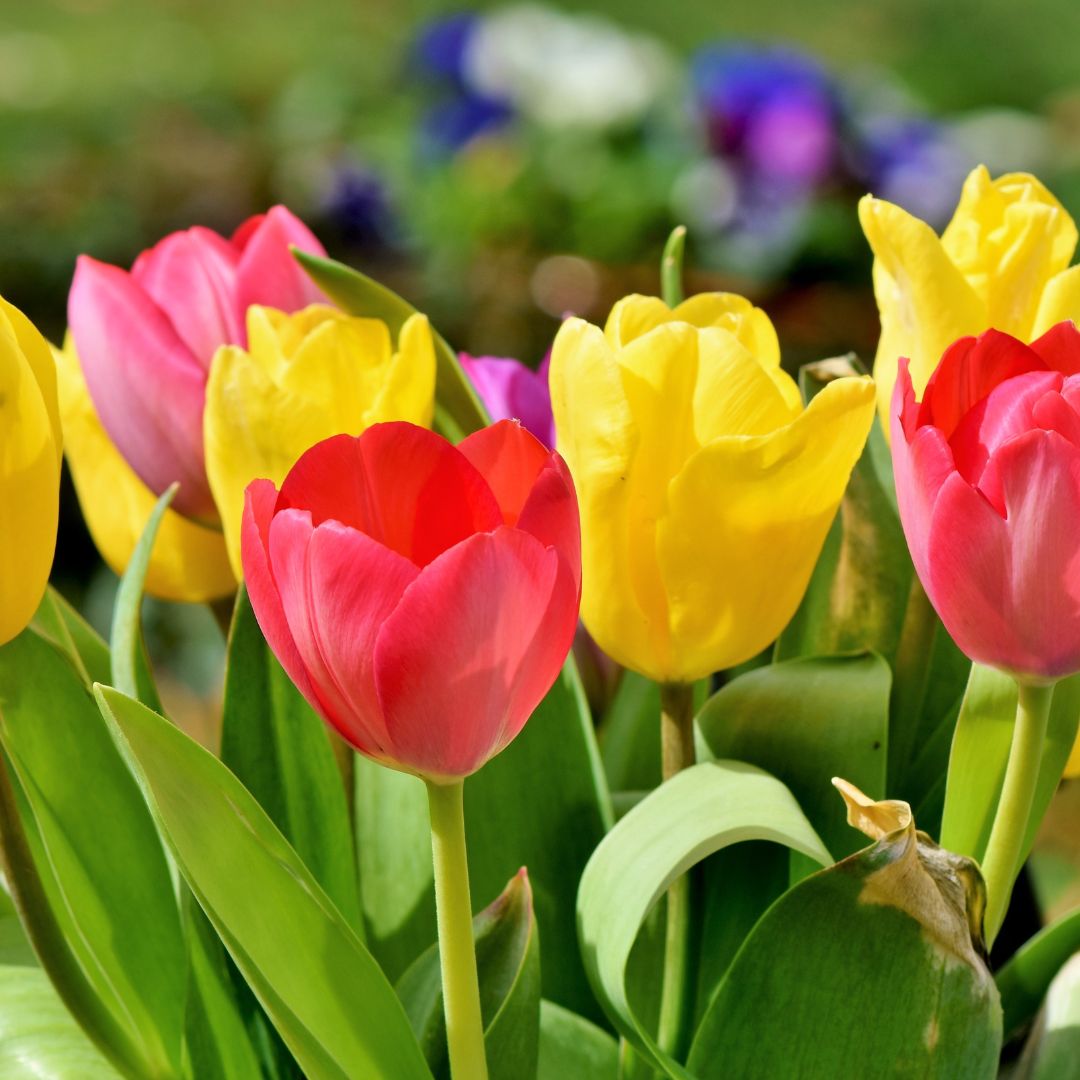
column 1005, row 849
column 911, row 667
column 457, row 952
column 671, row 267
column 677, row 753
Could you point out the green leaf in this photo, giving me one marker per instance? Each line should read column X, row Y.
column 980, row 752
column 458, row 411
column 873, row 967
column 131, row 671
column 320, row 986
column 541, row 803
column 805, row 721
column 94, row 887
column 508, row 966
column 1053, row 1050
column 572, row 1047
column 61, row 624
column 38, row 1038
column 1024, row 980
column 15, row 947
column 699, row 811
column 280, row 751
column 630, row 735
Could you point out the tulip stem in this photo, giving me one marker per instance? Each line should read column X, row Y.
column 911, row 667
column 1005, row 849
column 671, row 263
column 677, row 753
column 457, row 951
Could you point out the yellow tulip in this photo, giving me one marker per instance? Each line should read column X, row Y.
column 1002, row 262
column 303, row 378
column 705, row 488
column 29, row 469
column 189, row 561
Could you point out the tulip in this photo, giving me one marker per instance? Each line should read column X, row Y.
column 1002, row 262
column 146, row 338
column 421, row 596
column 510, row 390
column 706, row 489
column 188, row 561
column 987, row 470
column 303, row 378
column 30, row 474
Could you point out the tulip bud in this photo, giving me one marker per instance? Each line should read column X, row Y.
column 303, row 378
column 423, row 597
column 30, row 475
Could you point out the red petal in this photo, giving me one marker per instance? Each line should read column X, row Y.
column 509, row 459
column 469, row 652
column 404, row 486
column 1059, row 348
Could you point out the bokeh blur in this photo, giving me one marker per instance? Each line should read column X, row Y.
column 508, row 163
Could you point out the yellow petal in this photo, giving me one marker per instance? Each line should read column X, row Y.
column 745, row 523
column 925, row 303
column 596, row 436
column 29, row 478
column 633, row 316
column 408, row 387
column 188, row 561
column 1008, row 238
column 39, row 356
column 1060, row 301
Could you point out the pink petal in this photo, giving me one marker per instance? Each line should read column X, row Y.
column 262, row 590
column 267, row 272
column 969, row 370
column 147, row 387
column 1003, row 414
column 355, row 585
column 191, row 276
column 512, row 391
column 470, row 650
column 1008, row 589
column 403, row 485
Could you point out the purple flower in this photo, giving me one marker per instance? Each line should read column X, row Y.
column 439, row 49
column 512, row 391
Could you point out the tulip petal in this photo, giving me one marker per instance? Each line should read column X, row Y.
column 146, row 385
column 970, row 369
column 191, row 276
column 633, row 316
column 924, row 301
column 780, row 493
column 1008, row 589
column 551, row 515
column 267, row 273
column 597, row 438
column 355, row 585
column 188, row 562
column 512, row 391
column 1059, row 348
column 510, row 459
column 408, row 383
column 1060, row 301
column 505, row 649
column 262, row 588
column 40, row 358
column 404, row 486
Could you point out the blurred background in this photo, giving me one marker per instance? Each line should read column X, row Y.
column 506, row 164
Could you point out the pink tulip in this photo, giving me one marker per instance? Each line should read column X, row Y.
column 145, row 338
column 422, row 596
column 512, row 391
column 988, row 481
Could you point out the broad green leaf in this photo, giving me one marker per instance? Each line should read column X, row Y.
column 280, row 751
column 458, row 410
column 15, row 947
column 96, row 894
column 131, row 671
column 572, row 1047
column 508, row 966
column 311, row 973
column 1023, row 981
column 980, row 752
column 38, row 1038
column 58, row 621
column 543, row 803
column 1053, row 1050
column 630, row 735
column 871, row 968
column 699, row 811
column 805, row 721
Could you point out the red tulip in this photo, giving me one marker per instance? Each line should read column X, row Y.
column 422, row 596
column 988, row 482
column 145, row 338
